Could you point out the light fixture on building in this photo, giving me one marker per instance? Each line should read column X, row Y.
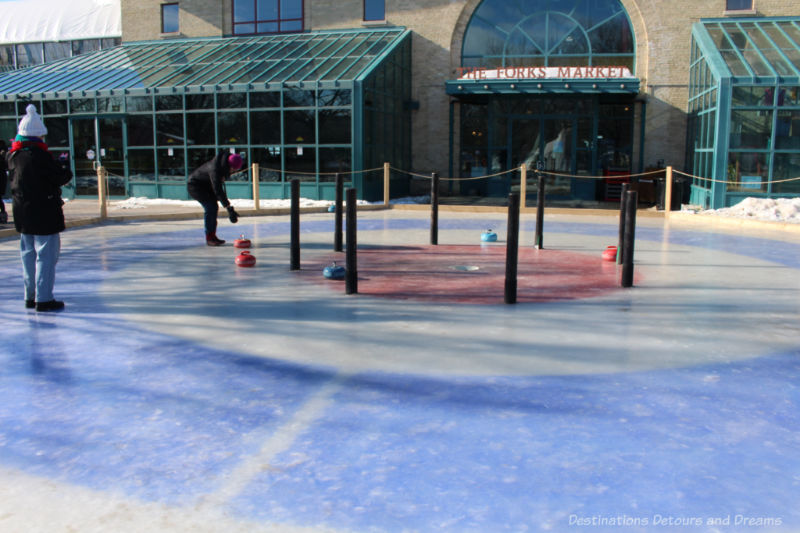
column 460, row 87
column 513, row 86
column 538, row 85
column 566, row 85
column 594, row 86
column 622, row 86
column 486, row 87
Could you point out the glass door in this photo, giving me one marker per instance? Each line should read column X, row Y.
column 98, row 141
column 84, row 144
column 545, row 143
column 558, row 153
column 111, row 155
column 525, row 142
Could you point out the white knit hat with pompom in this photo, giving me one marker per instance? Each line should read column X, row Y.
column 31, row 124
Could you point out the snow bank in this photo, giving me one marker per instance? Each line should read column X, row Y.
column 770, row 209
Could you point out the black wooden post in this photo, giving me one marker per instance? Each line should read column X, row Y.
column 337, row 231
column 512, row 249
column 351, row 260
column 630, row 235
column 622, row 200
column 539, row 212
column 434, row 208
column 294, row 217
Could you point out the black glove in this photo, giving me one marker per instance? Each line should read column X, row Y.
column 233, row 216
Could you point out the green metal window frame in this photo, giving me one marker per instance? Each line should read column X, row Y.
column 732, row 57
column 335, row 72
column 547, row 33
column 48, row 51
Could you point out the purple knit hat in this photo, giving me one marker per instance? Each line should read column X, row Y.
column 235, row 162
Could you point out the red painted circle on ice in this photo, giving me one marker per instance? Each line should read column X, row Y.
column 472, row 274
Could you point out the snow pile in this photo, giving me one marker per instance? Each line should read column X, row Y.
column 411, row 200
column 141, row 203
column 770, row 209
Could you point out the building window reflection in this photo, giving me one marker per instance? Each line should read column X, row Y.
column 738, row 5
column 374, row 10
column 169, row 18
column 267, row 16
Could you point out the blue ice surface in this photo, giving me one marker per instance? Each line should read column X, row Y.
column 95, row 400
column 91, row 399
column 402, row 453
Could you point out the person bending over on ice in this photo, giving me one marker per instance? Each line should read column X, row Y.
column 207, row 185
column 36, row 180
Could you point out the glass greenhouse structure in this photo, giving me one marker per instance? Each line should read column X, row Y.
column 306, row 106
column 744, row 110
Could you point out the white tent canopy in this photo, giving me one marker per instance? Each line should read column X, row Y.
column 26, row 21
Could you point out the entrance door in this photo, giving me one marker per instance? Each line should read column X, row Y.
column 98, row 141
column 525, row 142
column 558, row 153
column 546, row 143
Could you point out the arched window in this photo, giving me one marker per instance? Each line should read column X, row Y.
column 548, row 33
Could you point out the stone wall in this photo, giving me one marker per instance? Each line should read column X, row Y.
column 141, row 19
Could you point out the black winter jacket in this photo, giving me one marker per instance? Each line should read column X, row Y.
column 207, row 182
column 36, row 180
column 3, row 170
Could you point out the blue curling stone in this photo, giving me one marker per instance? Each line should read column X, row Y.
column 489, row 236
column 333, row 271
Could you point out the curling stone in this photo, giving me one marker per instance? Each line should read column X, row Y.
column 333, row 271
column 244, row 259
column 241, row 242
column 610, row 253
column 332, row 208
column 488, row 236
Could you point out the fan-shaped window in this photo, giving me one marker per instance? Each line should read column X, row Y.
column 529, row 33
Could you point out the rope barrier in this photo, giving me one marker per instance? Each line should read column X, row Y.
column 735, row 182
column 515, row 169
column 547, row 172
column 559, row 175
column 279, row 171
column 427, row 176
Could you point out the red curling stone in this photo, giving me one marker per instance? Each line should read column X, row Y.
column 241, row 243
column 244, row 259
column 610, row 253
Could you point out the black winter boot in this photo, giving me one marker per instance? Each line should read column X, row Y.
column 212, row 240
column 52, row 305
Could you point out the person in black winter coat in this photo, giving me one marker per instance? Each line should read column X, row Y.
column 36, row 180
column 207, row 185
column 3, row 180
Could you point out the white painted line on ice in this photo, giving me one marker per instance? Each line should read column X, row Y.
column 280, row 441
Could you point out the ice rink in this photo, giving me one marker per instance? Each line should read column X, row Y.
column 178, row 392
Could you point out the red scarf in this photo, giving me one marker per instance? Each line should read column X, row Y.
column 19, row 145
